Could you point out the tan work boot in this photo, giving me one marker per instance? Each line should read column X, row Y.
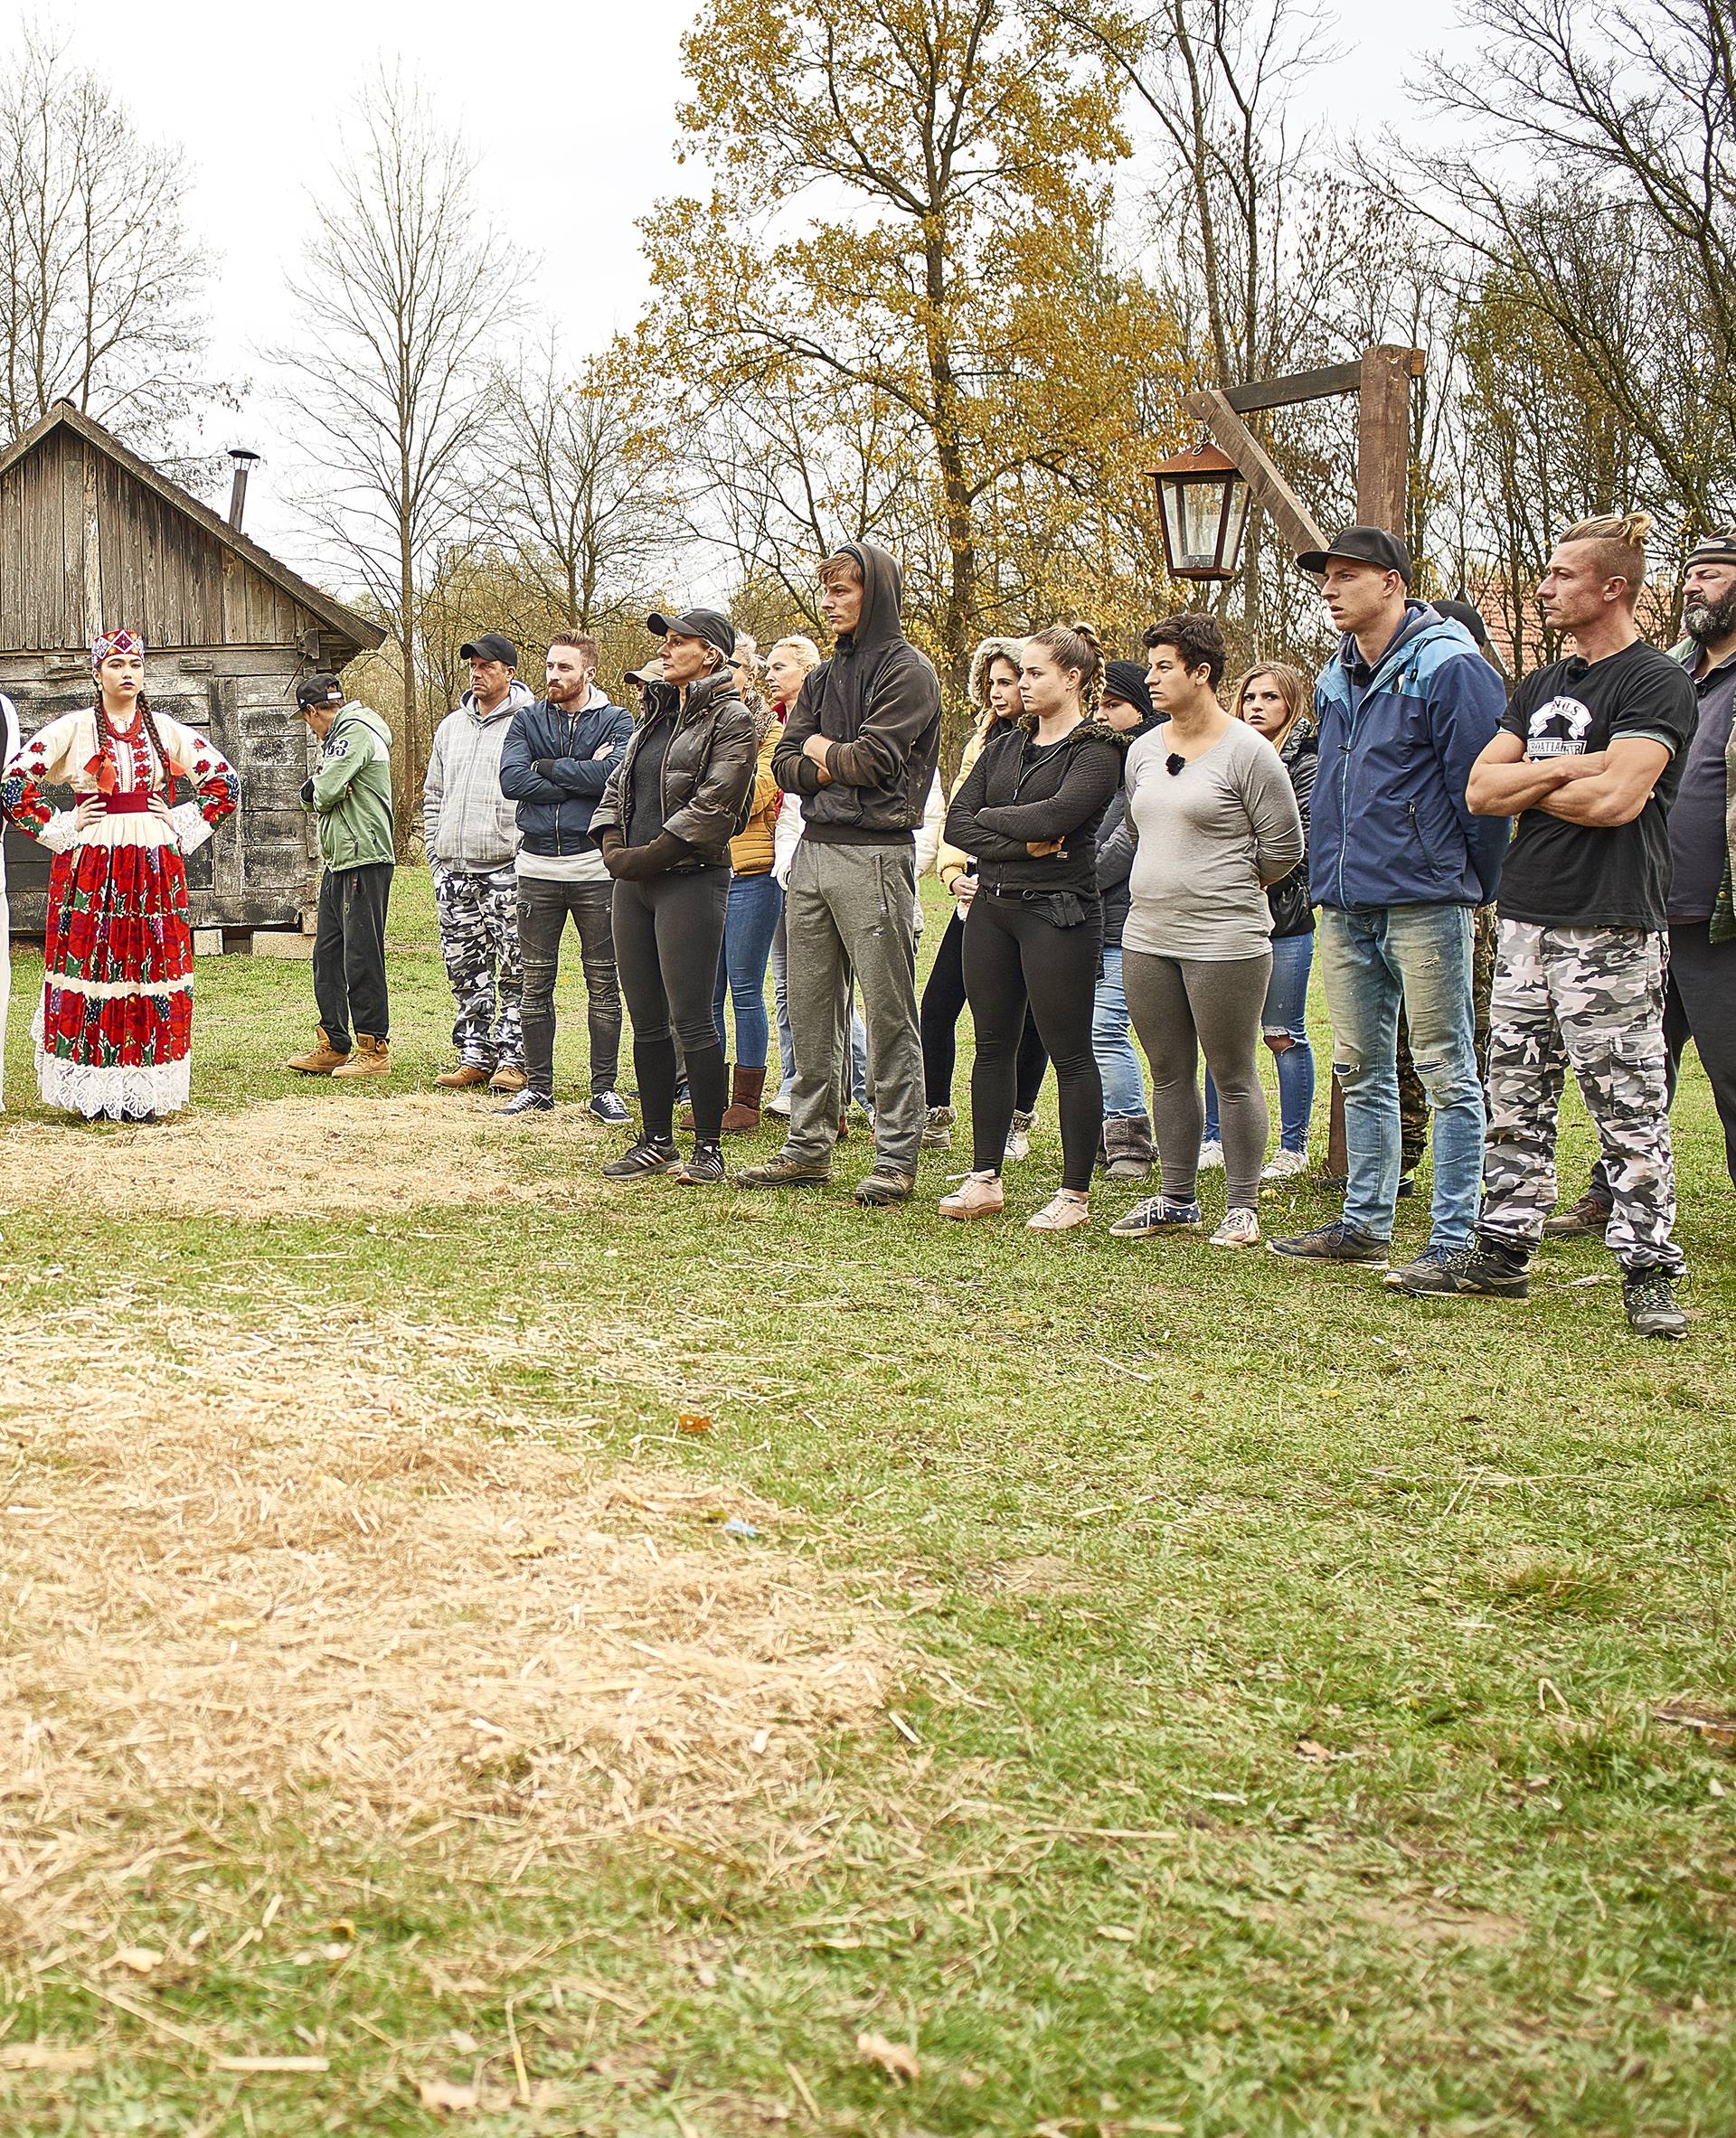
column 508, row 1077
column 465, row 1077
column 372, row 1058
column 321, row 1061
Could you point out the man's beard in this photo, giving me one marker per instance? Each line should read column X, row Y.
column 1707, row 622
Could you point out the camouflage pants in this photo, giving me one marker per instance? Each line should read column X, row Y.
column 479, row 916
column 1591, row 999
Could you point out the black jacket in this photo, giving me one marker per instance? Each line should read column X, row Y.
column 707, row 772
column 1115, row 854
column 556, row 805
column 1292, row 914
column 877, row 701
column 1014, row 793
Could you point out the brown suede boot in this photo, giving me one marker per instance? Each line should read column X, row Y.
column 742, row 1117
column 372, row 1058
column 321, row 1061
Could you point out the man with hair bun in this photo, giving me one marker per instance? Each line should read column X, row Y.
column 1588, row 760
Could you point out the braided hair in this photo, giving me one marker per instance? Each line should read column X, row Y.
column 1077, row 647
column 105, row 732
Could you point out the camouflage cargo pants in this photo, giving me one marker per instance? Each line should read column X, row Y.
column 479, row 916
column 1591, row 999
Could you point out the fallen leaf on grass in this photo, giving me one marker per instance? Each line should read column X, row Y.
column 449, row 2099
column 1119, row 1932
column 39, row 2056
column 272, row 2063
column 693, row 1421
column 535, row 1548
column 894, row 2059
column 140, row 1958
column 1711, row 1726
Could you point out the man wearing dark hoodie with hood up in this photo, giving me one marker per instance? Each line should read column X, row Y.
column 859, row 748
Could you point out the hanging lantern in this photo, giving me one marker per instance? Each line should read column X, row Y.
column 1203, row 507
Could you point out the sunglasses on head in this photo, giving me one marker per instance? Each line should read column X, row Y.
column 1174, row 763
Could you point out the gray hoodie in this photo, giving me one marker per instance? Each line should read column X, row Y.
column 467, row 824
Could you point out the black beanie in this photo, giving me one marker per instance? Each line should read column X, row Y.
column 1128, row 680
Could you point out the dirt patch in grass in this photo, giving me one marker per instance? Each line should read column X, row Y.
column 243, row 1569
column 326, row 1152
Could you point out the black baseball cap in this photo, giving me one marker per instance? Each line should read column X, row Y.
column 318, row 690
column 1469, row 614
column 490, row 646
column 1362, row 545
column 709, row 624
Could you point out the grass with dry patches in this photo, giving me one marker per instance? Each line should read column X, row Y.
column 1164, row 1690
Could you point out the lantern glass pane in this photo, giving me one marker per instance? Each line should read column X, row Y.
column 1172, row 493
column 1234, row 522
column 1201, row 516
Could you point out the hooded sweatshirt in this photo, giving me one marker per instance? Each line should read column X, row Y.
column 877, row 702
column 349, row 793
column 467, row 824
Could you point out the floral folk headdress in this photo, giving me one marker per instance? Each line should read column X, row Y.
column 116, row 642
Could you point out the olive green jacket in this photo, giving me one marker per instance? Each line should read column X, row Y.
column 349, row 793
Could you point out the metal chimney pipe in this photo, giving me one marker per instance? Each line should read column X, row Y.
column 243, row 461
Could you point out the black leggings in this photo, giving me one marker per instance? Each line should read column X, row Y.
column 942, row 999
column 668, row 931
column 1017, row 963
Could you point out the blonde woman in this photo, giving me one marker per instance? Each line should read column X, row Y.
column 755, row 909
column 1277, row 702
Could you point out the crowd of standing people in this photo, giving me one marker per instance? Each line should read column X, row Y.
column 1126, row 854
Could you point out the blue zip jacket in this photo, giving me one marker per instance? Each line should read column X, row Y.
column 554, row 804
column 1387, row 824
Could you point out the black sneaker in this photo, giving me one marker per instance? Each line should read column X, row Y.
column 524, row 1102
column 1583, row 1220
column 704, row 1169
column 1407, row 1183
column 1478, row 1271
column 1649, row 1297
column 646, row 1156
column 1429, row 1258
column 608, row 1106
column 1336, row 1242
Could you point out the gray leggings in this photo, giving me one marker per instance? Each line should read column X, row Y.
column 1179, row 1006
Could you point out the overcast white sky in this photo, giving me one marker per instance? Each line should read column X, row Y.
column 569, row 103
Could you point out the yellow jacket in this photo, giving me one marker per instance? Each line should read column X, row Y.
column 950, row 861
column 750, row 851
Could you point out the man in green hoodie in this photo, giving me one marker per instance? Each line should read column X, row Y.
column 350, row 795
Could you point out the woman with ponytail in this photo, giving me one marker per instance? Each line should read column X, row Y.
column 114, row 1034
column 1029, row 811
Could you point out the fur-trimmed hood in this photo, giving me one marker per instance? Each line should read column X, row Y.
column 990, row 651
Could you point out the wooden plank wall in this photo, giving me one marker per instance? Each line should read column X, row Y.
column 84, row 544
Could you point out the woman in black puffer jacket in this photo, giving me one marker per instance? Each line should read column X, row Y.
column 1029, row 811
column 664, row 824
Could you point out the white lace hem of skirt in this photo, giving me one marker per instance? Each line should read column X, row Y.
column 93, row 1091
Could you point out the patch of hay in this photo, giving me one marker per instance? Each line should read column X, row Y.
column 294, row 1156
column 243, row 1569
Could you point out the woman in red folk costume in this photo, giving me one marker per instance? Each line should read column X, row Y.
column 114, row 1034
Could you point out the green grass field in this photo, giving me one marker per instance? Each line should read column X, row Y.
column 1295, row 1710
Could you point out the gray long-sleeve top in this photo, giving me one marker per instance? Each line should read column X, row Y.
column 1209, row 839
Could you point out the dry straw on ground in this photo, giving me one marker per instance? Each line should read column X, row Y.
column 247, row 1568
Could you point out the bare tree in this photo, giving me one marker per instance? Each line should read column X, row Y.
column 101, row 288
column 585, row 497
column 405, row 291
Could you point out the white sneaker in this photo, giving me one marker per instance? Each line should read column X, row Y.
column 1239, row 1229
column 778, row 1103
column 1284, row 1165
column 1210, row 1157
column 1018, row 1138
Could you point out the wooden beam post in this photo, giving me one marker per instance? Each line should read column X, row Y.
column 1383, row 436
column 1283, row 507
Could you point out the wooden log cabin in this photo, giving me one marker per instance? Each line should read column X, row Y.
column 91, row 536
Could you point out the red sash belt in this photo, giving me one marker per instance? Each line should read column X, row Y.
column 135, row 802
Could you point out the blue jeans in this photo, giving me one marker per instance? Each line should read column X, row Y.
column 1372, row 958
column 756, row 907
column 1284, row 1017
column 1124, row 1077
column 786, row 1041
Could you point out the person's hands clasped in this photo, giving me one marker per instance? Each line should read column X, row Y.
column 963, row 889
column 1050, row 848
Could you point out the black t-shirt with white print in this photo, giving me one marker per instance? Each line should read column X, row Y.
column 1565, row 875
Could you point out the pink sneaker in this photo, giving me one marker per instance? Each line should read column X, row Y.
column 978, row 1195
column 1066, row 1211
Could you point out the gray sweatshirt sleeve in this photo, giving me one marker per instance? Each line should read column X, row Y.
column 433, row 794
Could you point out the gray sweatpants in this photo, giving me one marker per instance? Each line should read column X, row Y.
column 1183, row 1007
column 853, row 909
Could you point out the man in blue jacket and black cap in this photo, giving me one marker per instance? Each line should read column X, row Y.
column 1398, row 865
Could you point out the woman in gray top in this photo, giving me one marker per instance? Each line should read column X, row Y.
column 1214, row 816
